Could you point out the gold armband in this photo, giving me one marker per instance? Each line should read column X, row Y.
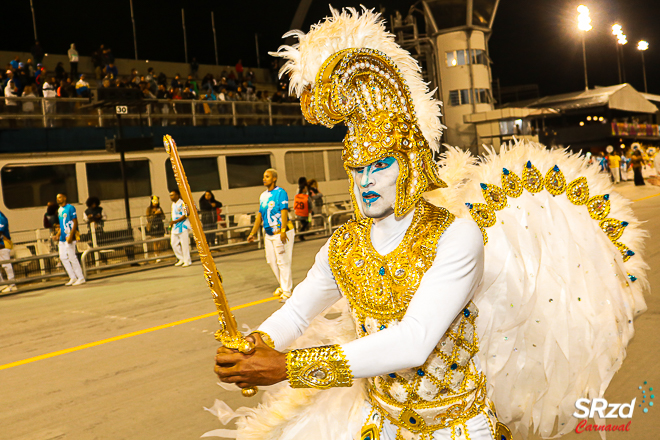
column 266, row 338
column 318, row 367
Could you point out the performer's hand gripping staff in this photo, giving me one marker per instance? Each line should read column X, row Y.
column 228, row 333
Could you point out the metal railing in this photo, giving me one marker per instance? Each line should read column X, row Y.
column 77, row 112
column 117, row 244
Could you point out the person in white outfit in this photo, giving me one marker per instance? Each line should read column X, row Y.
column 68, row 231
column 279, row 237
column 5, row 253
column 180, row 236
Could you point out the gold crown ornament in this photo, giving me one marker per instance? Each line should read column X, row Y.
column 360, row 84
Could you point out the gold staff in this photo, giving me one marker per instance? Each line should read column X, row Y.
column 228, row 333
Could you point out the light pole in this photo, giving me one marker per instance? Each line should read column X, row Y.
column 584, row 24
column 620, row 41
column 641, row 47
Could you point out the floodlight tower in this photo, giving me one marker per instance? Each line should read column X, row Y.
column 459, row 31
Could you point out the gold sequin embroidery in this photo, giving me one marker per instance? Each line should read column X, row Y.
column 318, row 367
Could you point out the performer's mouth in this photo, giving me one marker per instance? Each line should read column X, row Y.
column 370, row 197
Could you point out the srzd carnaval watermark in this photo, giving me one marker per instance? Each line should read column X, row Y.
column 586, row 409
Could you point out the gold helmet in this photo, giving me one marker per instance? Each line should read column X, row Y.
column 376, row 90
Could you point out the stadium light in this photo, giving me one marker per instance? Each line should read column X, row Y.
column 584, row 24
column 642, row 46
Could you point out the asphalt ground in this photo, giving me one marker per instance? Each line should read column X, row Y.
column 131, row 356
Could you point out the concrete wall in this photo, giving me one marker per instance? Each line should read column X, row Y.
column 126, row 65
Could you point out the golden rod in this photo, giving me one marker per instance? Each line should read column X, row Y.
column 228, row 334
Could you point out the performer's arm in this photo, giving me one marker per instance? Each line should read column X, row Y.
column 313, row 295
column 444, row 291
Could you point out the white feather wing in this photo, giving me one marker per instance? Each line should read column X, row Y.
column 556, row 302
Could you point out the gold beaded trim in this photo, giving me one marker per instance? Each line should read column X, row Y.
column 318, row 367
column 555, row 183
column 266, row 338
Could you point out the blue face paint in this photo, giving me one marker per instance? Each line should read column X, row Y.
column 370, row 197
column 379, row 165
column 376, row 192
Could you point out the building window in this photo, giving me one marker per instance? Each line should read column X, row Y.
column 307, row 164
column 104, row 179
column 481, row 96
column 336, row 165
column 32, row 186
column 478, row 56
column 460, row 58
column 459, row 97
column 245, row 171
column 202, row 173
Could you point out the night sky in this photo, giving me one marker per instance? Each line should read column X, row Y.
column 534, row 41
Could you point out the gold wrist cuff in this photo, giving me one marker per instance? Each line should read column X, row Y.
column 318, row 367
column 266, row 338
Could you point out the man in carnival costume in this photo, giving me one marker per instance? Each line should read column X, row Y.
column 410, row 270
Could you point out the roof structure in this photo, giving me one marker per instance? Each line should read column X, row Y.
column 622, row 97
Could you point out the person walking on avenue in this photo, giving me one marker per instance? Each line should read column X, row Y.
column 180, row 238
column 302, row 206
column 615, row 166
column 209, row 209
column 73, row 61
column 68, row 232
column 155, row 225
column 637, row 164
column 274, row 213
column 5, row 253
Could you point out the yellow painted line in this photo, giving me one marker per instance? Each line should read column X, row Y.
column 647, row 197
column 127, row 335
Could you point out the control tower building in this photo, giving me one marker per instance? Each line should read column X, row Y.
column 457, row 33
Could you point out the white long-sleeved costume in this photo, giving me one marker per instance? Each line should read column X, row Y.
column 444, row 291
column 436, row 378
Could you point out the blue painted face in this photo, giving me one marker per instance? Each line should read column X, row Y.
column 375, row 187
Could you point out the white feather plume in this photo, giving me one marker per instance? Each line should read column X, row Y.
column 347, row 29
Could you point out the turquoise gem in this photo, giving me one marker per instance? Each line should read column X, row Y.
column 413, row 421
column 381, row 271
column 466, row 312
column 469, row 205
column 505, row 171
column 630, row 253
column 364, row 329
column 646, row 410
column 624, row 224
column 606, row 196
column 484, row 186
column 555, row 169
column 420, row 372
column 503, row 437
column 382, row 327
column 454, row 366
column 650, row 403
column 529, row 164
column 392, row 375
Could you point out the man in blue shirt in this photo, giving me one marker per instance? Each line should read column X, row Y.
column 5, row 253
column 67, row 241
column 278, row 240
column 180, row 235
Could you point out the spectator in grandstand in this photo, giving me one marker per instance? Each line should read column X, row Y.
column 73, row 61
column 194, row 67
column 40, row 77
column 210, row 210
column 108, row 56
column 187, row 93
column 180, row 225
column 5, row 253
column 176, row 82
column 82, row 87
column 50, row 217
column 50, row 91
column 37, row 53
column 111, row 71
column 68, row 233
column 222, row 96
column 94, row 214
column 151, row 81
column 11, row 106
column 97, row 62
column 279, row 237
column 30, row 67
column 155, row 225
column 28, row 106
column 191, row 83
column 239, row 70
column 162, row 79
column 15, row 62
column 208, row 82
column 60, row 73
column 63, row 90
